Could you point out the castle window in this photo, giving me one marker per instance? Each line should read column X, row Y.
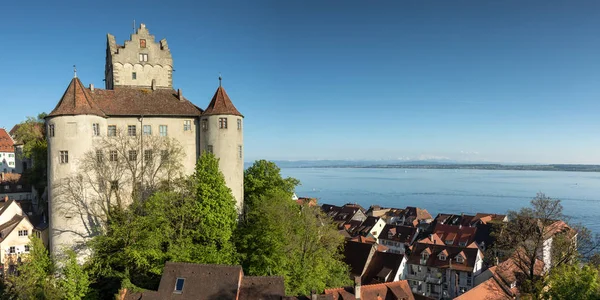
column 239, row 123
column 142, row 43
column 64, row 157
column 96, row 129
column 147, row 129
column 11, row 250
column 143, row 57
column 209, row 148
column 131, row 130
column 240, row 152
column 51, row 130
column 132, row 155
column 133, row 75
column 114, row 185
column 112, row 155
column 112, row 130
column 23, row 232
column 26, row 248
column 148, row 154
column 163, row 130
column 223, row 123
column 99, row 156
column 187, row 125
column 204, row 124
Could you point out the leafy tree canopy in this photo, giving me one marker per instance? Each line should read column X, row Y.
column 264, row 178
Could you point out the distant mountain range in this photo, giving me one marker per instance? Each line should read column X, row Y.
column 432, row 164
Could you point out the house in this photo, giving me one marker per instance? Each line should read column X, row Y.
column 200, row 281
column 397, row 290
column 7, row 152
column 370, row 227
column 459, row 236
column 500, row 282
column 342, row 215
column 551, row 232
column 305, row 201
column 397, row 237
column 15, row 186
column 357, row 256
column 440, row 271
column 15, row 230
column 22, row 163
column 384, row 267
column 464, row 229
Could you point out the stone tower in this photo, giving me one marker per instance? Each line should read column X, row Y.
column 222, row 134
column 70, row 136
column 140, row 62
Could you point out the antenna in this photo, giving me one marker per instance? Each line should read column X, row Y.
column 134, row 26
column 74, row 71
column 220, row 78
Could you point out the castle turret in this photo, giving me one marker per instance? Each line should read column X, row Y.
column 140, row 62
column 222, row 134
column 72, row 128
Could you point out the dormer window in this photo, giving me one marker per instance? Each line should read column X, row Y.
column 442, row 257
column 390, row 234
column 462, row 244
column 449, row 242
column 179, row 285
column 460, row 259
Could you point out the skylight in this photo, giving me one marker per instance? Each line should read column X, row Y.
column 179, row 285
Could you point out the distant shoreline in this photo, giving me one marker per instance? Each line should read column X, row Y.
column 553, row 168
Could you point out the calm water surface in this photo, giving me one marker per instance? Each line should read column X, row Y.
column 453, row 191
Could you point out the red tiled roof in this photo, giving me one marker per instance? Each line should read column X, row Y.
column 397, row 290
column 456, row 234
column 492, row 289
column 76, row 101
column 468, row 265
column 6, row 142
column 221, row 105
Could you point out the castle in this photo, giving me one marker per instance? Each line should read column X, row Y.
column 123, row 128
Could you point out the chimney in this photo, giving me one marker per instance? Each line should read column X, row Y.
column 459, row 226
column 313, row 295
column 92, row 87
column 6, row 198
column 179, row 95
column 357, row 287
column 154, row 85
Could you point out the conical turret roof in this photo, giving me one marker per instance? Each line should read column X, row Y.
column 76, row 101
column 221, row 105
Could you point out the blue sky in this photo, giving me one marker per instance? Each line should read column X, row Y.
column 503, row 81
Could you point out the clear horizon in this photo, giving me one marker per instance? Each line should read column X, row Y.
column 508, row 82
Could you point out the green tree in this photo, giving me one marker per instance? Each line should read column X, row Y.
column 280, row 237
column 74, row 282
column 32, row 134
column 34, row 274
column 574, row 282
column 264, row 178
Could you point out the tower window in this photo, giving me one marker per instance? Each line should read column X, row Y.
column 204, row 124
column 112, row 130
column 131, row 130
column 133, row 75
column 239, row 123
column 187, row 125
column 163, row 130
column 223, row 123
column 142, row 43
column 143, row 57
column 240, row 152
column 147, row 129
column 209, row 148
column 132, row 155
column 96, row 129
column 51, row 130
column 64, row 157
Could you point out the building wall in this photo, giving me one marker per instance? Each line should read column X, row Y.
column 75, row 135
column 13, row 239
column 144, row 74
column 225, row 144
column 7, row 162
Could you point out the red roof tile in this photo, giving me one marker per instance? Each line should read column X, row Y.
column 6, row 142
column 76, row 101
column 221, row 105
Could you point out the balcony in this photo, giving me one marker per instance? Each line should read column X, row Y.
column 433, row 279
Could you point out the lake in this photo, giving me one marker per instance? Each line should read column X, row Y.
column 453, row 191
